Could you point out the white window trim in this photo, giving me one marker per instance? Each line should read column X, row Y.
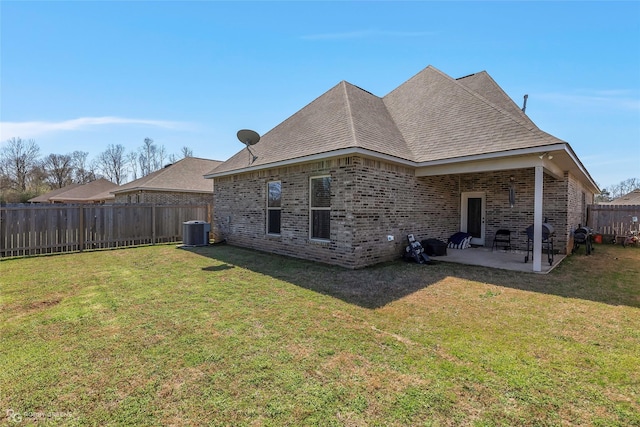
column 311, row 208
column 269, row 208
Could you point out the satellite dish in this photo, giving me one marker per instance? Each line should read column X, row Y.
column 248, row 137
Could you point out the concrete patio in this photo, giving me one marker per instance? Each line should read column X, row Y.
column 505, row 260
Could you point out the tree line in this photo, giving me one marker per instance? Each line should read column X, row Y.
column 25, row 174
column 614, row 191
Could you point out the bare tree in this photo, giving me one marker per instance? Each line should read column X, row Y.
column 186, row 152
column 618, row 190
column 161, row 155
column 18, row 158
column 37, row 181
column 83, row 171
column 58, row 169
column 627, row 186
column 146, row 157
column 151, row 157
column 112, row 163
column 132, row 161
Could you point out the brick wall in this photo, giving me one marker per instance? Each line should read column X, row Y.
column 371, row 200
column 558, row 204
column 389, row 200
column 240, row 211
column 577, row 201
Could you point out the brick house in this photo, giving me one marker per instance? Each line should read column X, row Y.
column 181, row 183
column 435, row 156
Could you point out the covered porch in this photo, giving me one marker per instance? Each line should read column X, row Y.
column 512, row 191
column 501, row 259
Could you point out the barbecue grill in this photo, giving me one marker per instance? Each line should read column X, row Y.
column 583, row 236
column 547, row 241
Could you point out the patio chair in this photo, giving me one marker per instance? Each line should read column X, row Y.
column 502, row 240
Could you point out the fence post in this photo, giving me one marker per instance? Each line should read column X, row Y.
column 81, row 227
column 153, row 223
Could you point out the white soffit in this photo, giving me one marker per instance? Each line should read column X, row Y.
column 508, row 163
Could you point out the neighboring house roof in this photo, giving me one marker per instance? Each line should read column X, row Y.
column 186, row 175
column 632, row 198
column 44, row 198
column 430, row 118
column 93, row 191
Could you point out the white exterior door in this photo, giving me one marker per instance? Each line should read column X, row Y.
column 472, row 212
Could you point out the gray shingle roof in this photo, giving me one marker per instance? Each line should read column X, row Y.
column 440, row 118
column 86, row 192
column 632, row 198
column 44, row 198
column 186, row 175
column 484, row 85
column 429, row 117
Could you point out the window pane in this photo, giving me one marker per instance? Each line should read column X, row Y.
column 321, row 192
column 275, row 194
column 273, row 220
column 320, row 227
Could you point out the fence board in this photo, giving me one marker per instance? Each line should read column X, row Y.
column 41, row 229
column 613, row 220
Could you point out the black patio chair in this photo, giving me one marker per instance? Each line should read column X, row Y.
column 502, row 240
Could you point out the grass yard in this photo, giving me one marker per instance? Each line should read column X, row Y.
column 225, row 336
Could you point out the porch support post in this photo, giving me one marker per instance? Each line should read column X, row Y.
column 537, row 220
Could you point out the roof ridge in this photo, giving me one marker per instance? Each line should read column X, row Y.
column 521, row 115
column 357, row 134
column 352, row 126
column 491, row 104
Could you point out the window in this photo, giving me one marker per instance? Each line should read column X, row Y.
column 274, row 202
column 320, row 208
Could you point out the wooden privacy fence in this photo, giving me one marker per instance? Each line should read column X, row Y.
column 43, row 229
column 613, row 220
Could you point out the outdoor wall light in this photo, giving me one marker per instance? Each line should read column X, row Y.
column 512, row 191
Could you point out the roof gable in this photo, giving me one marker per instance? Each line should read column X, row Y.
column 441, row 118
column 373, row 126
column 343, row 117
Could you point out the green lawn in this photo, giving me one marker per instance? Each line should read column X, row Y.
column 227, row 336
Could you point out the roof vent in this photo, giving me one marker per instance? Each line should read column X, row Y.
column 524, row 105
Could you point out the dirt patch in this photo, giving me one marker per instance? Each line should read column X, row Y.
column 37, row 305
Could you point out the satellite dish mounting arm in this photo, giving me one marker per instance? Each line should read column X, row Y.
column 248, row 138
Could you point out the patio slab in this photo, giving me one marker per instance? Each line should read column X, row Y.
column 505, row 260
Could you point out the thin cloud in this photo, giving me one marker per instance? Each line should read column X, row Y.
column 616, row 99
column 366, row 34
column 37, row 128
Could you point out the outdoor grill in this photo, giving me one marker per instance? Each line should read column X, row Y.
column 583, row 236
column 547, row 241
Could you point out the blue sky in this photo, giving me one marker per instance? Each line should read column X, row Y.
column 81, row 75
